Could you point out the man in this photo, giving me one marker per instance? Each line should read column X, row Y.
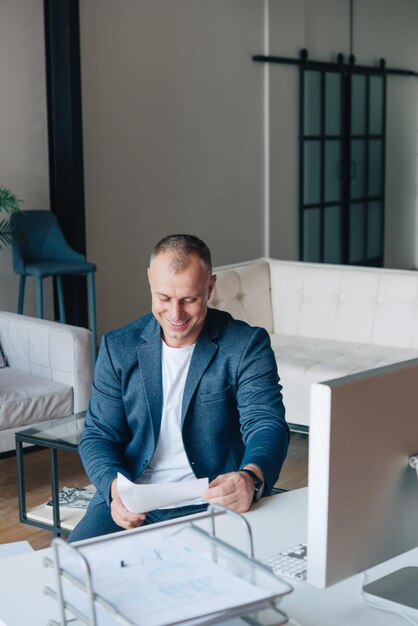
column 185, row 392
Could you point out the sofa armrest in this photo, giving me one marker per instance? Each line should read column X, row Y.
column 50, row 350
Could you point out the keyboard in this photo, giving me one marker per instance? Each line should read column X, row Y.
column 290, row 563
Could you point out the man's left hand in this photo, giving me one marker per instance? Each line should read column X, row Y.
column 234, row 490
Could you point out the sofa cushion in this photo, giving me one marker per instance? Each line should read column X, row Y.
column 304, row 360
column 26, row 399
column 344, row 303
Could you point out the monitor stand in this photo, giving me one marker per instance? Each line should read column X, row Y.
column 399, row 587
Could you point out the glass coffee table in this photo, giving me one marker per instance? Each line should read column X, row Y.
column 58, row 434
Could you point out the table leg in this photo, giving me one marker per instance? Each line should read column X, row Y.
column 21, row 492
column 54, row 491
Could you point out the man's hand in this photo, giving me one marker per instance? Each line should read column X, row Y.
column 234, row 490
column 120, row 514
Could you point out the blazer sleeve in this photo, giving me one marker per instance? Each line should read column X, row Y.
column 264, row 429
column 105, row 434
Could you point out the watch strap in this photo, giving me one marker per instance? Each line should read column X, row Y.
column 258, row 483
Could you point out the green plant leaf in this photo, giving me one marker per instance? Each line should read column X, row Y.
column 5, row 240
column 9, row 202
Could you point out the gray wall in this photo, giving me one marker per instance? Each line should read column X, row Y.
column 173, row 127
column 172, row 108
column 382, row 28
column 23, row 128
column 390, row 29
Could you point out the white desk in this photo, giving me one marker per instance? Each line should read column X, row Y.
column 277, row 523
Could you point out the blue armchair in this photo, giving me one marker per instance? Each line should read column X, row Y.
column 40, row 250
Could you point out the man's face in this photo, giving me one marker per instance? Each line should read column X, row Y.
column 179, row 299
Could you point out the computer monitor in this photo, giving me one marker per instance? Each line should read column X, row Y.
column 363, row 494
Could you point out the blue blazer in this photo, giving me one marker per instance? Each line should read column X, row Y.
column 232, row 411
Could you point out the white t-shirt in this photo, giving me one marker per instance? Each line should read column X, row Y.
column 169, row 462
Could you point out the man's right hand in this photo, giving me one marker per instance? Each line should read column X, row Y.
column 120, row 514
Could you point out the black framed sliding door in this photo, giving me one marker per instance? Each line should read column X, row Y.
column 366, row 162
column 342, row 148
column 321, row 154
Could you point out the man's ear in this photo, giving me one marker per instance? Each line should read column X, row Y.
column 211, row 285
column 148, row 274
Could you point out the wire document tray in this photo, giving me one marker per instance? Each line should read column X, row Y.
column 166, row 576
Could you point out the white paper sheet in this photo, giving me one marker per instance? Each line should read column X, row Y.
column 160, row 582
column 14, row 549
column 143, row 498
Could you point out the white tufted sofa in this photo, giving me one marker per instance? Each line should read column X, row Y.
column 48, row 373
column 325, row 321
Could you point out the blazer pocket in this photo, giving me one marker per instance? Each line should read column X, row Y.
column 215, row 396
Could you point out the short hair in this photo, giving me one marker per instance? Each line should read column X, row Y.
column 182, row 247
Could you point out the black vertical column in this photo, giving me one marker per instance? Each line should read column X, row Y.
column 65, row 136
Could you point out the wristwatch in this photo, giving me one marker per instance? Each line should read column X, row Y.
column 258, row 484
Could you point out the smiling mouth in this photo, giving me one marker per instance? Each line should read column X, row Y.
column 178, row 324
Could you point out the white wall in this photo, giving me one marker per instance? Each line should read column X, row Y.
column 23, row 128
column 172, row 109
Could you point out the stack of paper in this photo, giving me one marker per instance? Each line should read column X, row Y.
column 162, row 582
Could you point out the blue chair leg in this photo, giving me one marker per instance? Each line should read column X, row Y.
column 39, row 298
column 21, row 293
column 60, row 295
column 92, row 314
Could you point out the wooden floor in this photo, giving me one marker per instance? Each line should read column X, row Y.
column 294, row 475
column 37, row 478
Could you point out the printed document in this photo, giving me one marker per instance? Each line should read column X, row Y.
column 162, row 581
column 144, row 498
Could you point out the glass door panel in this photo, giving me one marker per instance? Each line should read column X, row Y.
column 332, row 171
column 358, row 104
column 375, row 230
column 376, row 101
column 332, row 103
column 332, row 235
column 312, row 172
column 312, row 108
column 312, row 235
column 357, row 168
column 357, row 233
column 375, row 186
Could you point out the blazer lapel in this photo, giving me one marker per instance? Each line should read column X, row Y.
column 203, row 354
column 149, row 357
